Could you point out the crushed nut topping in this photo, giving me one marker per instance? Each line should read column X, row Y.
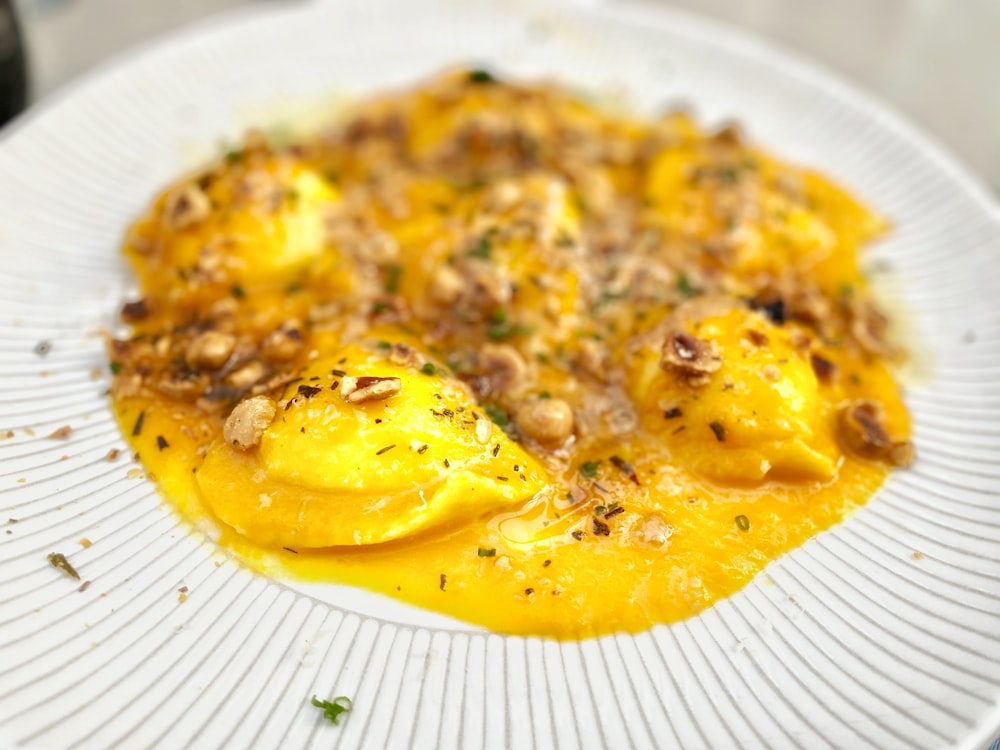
column 211, row 350
column 863, row 432
column 245, row 425
column 363, row 389
column 688, row 355
column 548, row 421
column 503, row 365
column 186, row 206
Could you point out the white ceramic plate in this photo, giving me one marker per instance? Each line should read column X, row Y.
column 882, row 633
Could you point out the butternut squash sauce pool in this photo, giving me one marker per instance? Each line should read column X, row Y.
column 489, row 349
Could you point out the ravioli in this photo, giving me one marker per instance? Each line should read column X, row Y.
column 490, row 349
column 329, row 472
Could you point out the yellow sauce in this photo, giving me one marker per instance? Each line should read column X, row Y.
column 517, row 264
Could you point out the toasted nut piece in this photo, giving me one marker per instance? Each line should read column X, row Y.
column 247, row 375
column 246, row 423
column 862, row 429
column 404, row 354
column 653, row 532
column 484, row 431
column 689, row 355
column 283, row 344
column 359, row 390
column 771, row 371
column 133, row 311
column 446, row 285
column 825, row 370
column 593, row 359
column 503, row 365
column 870, row 327
column 863, row 432
column 184, row 389
column 547, row 420
column 185, row 206
column 210, row 350
column 902, row 454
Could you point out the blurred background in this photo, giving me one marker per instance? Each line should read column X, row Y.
column 938, row 61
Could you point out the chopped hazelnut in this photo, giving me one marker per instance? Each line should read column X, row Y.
column 593, row 360
column 446, row 285
column 405, row 355
column 484, row 431
column 283, row 344
column 771, row 371
column 247, row 375
column 503, row 365
column 185, row 206
column 210, row 350
column 548, row 421
column 359, row 390
column 869, row 328
column 654, row 532
column 863, row 432
column 246, row 423
column 825, row 369
column 689, row 355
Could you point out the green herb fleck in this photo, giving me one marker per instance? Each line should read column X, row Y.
column 729, row 174
column 499, row 416
column 238, row 291
column 333, row 709
column 294, row 287
column 504, row 330
column 116, row 368
column 487, row 551
column 384, row 345
column 482, row 77
column 684, row 286
column 481, row 249
column 393, row 275
column 544, row 394
column 742, row 523
column 589, row 469
column 234, row 156
column 428, row 368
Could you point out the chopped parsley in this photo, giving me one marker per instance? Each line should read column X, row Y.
column 499, row 416
column 482, row 77
column 684, row 286
column 428, row 368
column 238, row 291
column 116, row 368
column 333, row 709
column 504, row 330
column 481, row 249
column 589, row 469
column 393, row 275
column 742, row 523
column 487, row 551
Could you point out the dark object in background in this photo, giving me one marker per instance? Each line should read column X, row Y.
column 13, row 68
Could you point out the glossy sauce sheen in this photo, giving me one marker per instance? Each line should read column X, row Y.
column 537, row 274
